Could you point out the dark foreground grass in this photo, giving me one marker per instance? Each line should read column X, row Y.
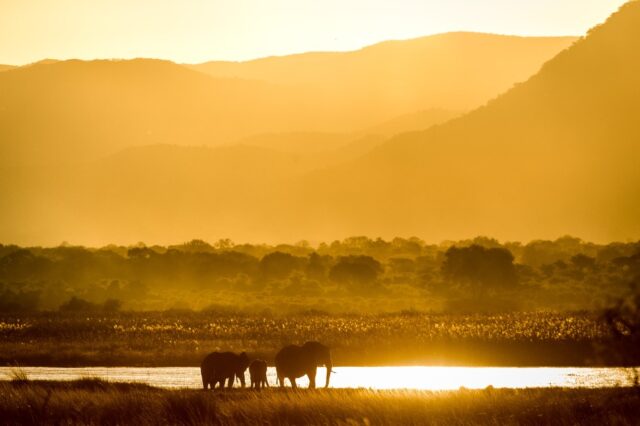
column 97, row 402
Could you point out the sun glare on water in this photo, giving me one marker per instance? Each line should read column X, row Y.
column 449, row 378
column 418, row 378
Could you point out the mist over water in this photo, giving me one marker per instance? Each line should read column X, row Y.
column 418, row 378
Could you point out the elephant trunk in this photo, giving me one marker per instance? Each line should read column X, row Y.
column 329, row 366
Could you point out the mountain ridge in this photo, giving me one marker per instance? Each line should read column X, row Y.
column 554, row 154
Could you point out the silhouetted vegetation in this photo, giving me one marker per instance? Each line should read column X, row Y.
column 181, row 337
column 623, row 322
column 356, row 274
column 97, row 402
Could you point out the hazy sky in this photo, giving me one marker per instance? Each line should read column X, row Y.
column 201, row 30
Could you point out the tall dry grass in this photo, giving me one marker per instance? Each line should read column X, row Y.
column 170, row 339
column 96, row 402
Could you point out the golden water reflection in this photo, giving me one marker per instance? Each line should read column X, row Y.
column 426, row 378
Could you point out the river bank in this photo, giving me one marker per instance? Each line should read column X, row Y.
column 97, row 402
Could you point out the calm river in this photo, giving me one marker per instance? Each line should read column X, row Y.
column 428, row 378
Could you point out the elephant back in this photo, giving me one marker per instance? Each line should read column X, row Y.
column 225, row 364
column 292, row 360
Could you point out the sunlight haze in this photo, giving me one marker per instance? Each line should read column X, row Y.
column 297, row 212
column 196, row 30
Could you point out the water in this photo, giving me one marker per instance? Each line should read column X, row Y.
column 427, row 378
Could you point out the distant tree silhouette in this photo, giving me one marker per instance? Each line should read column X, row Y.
column 279, row 265
column 318, row 266
column 358, row 272
column 19, row 301
column 112, row 305
column 583, row 261
column 480, row 270
column 76, row 304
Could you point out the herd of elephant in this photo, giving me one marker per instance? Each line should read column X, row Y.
column 291, row 362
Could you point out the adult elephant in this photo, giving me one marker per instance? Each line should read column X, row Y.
column 218, row 367
column 295, row 361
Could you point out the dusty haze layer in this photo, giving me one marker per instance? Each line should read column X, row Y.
column 515, row 169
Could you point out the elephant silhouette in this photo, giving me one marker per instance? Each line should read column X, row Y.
column 258, row 374
column 295, row 361
column 218, row 367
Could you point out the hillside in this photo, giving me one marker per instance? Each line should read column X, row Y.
column 70, row 110
column 73, row 110
column 554, row 155
column 557, row 154
column 6, row 67
column 456, row 71
column 327, row 144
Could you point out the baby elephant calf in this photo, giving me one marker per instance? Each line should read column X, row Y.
column 258, row 372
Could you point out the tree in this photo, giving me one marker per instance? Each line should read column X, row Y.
column 278, row 265
column 480, row 270
column 358, row 272
column 76, row 304
column 318, row 266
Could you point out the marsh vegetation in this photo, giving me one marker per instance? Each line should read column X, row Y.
column 184, row 338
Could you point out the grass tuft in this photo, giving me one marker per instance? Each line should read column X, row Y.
column 18, row 375
column 118, row 404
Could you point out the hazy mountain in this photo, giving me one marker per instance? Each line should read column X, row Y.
column 314, row 143
column 75, row 109
column 456, row 71
column 69, row 110
column 420, row 120
column 299, row 142
column 555, row 155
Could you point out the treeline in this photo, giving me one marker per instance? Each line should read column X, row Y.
column 478, row 274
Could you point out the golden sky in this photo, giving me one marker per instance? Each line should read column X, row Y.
column 201, row 30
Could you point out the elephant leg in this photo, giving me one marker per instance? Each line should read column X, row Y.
column 293, row 382
column 231, row 380
column 312, row 379
column 281, row 381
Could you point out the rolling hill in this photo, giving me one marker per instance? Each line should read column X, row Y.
column 70, row 110
column 556, row 154
column 456, row 71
